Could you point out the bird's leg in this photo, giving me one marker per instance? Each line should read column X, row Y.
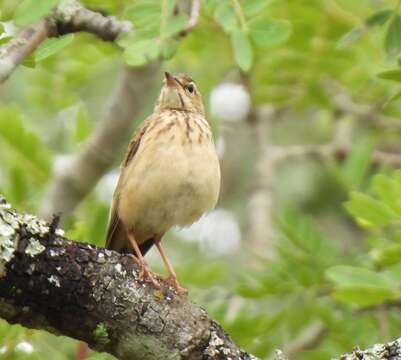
column 145, row 272
column 173, row 277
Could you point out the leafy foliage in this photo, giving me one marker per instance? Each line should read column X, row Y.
column 337, row 246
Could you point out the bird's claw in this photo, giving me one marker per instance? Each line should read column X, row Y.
column 145, row 274
column 172, row 280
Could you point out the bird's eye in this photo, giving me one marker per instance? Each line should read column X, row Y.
column 190, row 88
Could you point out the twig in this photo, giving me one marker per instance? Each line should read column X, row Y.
column 17, row 49
column 193, row 17
column 310, row 338
column 368, row 114
column 260, row 221
column 71, row 17
column 96, row 295
column 68, row 17
column 338, row 148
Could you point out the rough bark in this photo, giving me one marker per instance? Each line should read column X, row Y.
column 95, row 295
column 386, row 351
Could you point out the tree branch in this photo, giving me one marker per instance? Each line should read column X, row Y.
column 339, row 147
column 386, row 351
column 95, row 295
column 194, row 14
column 68, row 17
column 83, row 169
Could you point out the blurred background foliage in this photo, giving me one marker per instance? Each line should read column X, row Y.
column 330, row 279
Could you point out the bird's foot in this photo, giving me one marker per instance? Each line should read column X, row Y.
column 145, row 274
column 172, row 280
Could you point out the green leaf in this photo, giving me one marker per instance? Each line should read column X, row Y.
column 5, row 39
column 141, row 52
column 387, row 255
column 51, row 46
column 29, row 11
column 243, row 53
column 267, row 32
column 1, row 28
column 359, row 285
column 174, row 26
column 350, row 37
column 144, row 14
column 389, row 190
column 357, row 163
column 29, row 61
column 394, row 75
column 363, row 296
column 369, row 211
column 301, row 232
column 168, row 48
column 392, row 98
column 100, row 356
column 225, row 16
column 393, row 272
column 379, row 18
column 393, row 36
column 82, row 124
column 344, row 275
column 25, row 145
column 254, row 7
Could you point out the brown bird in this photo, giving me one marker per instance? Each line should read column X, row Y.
column 170, row 175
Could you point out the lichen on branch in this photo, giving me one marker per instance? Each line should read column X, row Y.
column 96, row 295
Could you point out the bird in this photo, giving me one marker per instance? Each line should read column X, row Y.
column 170, row 176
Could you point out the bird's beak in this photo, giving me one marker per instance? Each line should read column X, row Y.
column 170, row 81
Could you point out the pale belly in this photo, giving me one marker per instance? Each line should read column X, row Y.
column 173, row 184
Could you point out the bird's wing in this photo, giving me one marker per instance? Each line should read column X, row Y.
column 116, row 238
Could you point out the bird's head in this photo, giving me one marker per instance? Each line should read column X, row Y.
column 179, row 92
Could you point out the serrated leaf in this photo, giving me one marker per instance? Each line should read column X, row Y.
column 268, row 32
column 368, row 210
column 225, row 16
column 28, row 11
column 350, row 37
column 254, row 7
column 394, row 75
column 393, row 36
column 243, row 53
column 52, row 46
